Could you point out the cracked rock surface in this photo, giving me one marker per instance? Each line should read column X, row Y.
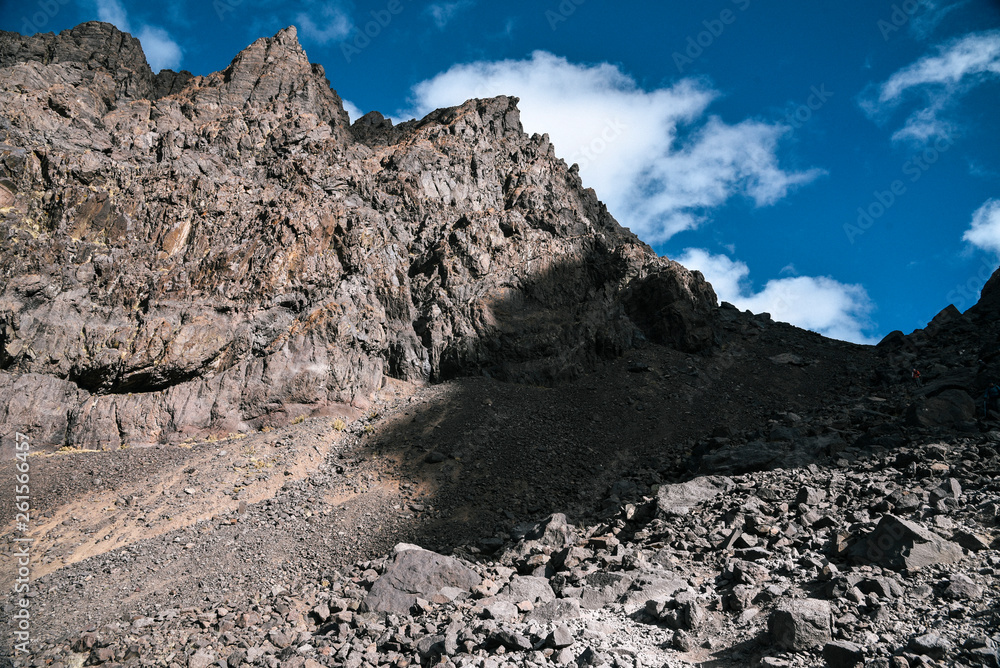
column 186, row 256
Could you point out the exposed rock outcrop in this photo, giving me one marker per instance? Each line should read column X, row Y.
column 194, row 255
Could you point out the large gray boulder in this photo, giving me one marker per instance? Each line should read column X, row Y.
column 527, row 588
column 900, row 544
column 417, row 573
column 554, row 531
column 679, row 499
column 800, row 624
column 950, row 409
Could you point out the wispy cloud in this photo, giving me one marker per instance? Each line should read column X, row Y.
column 985, row 230
column 442, row 13
column 817, row 303
column 325, row 23
column 657, row 158
column 162, row 51
column 926, row 22
column 352, row 110
column 939, row 81
column 112, row 11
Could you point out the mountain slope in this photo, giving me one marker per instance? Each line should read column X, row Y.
column 191, row 256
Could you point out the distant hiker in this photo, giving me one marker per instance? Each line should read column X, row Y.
column 982, row 367
column 916, row 377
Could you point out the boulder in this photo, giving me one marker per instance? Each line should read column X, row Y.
column 673, row 306
column 843, row 654
column 800, row 624
column 933, row 645
column 554, row 531
column 559, row 610
column 603, row 588
column 899, row 544
column 417, row 573
column 952, row 409
column 527, row 588
column 679, row 499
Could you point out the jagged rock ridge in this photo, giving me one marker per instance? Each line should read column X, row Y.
column 188, row 255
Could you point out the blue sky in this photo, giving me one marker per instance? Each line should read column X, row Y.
column 836, row 166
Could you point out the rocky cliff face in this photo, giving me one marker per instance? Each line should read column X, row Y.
column 193, row 255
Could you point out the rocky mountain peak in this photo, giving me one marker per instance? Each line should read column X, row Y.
column 274, row 74
column 88, row 50
column 989, row 299
column 204, row 255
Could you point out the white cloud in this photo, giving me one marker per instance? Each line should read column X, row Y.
column 112, row 11
column 330, row 25
column 655, row 157
column 985, row 230
column 352, row 110
column 820, row 304
column 443, row 12
column 162, row 51
column 940, row 80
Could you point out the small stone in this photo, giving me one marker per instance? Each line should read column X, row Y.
column 565, row 657
column 105, row 654
column 962, row 587
column 560, row 637
column 682, row 642
column 430, row 646
column 843, row 654
column 321, row 612
column 800, row 624
column 279, row 638
column 500, row 610
column 930, row 644
column 203, row 658
column 810, row 496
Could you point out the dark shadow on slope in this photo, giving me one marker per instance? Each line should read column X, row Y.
column 598, row 426
column 593, row 424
